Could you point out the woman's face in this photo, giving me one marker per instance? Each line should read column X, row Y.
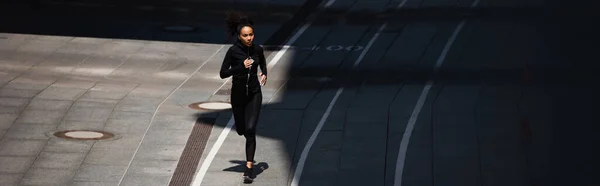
column 246, row 35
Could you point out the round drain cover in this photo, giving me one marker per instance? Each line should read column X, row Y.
column 84, row 134
column 210, row 106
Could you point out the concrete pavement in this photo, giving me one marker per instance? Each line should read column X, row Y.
column 490, row 117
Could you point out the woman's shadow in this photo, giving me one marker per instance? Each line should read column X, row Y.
column 241, row 167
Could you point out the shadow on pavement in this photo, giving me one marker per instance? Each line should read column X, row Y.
column 570, row 154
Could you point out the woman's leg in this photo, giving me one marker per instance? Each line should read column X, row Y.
column 239, row 117
column 252, row 113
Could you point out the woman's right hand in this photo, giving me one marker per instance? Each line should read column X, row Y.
column 247, row 63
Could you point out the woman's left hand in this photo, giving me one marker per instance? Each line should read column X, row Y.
column 263, row 79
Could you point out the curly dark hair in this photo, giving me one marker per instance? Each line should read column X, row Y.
column 236, row 21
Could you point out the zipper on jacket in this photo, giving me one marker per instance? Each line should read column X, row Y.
column 250, row 69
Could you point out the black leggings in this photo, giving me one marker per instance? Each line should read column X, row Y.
column 245, row 114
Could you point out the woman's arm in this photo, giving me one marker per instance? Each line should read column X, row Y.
column 226, row 71
column 262, row 61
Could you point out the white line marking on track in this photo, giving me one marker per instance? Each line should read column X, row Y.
column 158, row 107
column 213, row 151
column 364, row 52
column 311, row 140
column 307, row 147
column 419, row 106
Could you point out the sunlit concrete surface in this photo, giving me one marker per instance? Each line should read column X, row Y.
column 507, row 98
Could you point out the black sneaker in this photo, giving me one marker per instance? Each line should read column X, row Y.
column 248, row 175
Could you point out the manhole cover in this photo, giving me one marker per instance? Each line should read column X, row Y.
column 210, row 106
column 178, row 28
column 84, row 135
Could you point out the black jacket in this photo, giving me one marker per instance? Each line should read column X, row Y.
column 233, row 65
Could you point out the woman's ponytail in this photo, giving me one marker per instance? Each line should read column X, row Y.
column 235, row 22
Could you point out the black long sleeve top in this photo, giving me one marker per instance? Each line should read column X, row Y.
column 233, row 65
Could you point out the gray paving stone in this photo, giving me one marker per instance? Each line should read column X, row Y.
column 375, row 97
column 126, row 141
column 158, row 167
column 59, row 93
column 294, row 100
column 497, row 169
column 110, row 156
column 7, row 119
column 120, row 47
column 152, row 91
column 131, row 115
column 501, row 127
column 7, row 76
column 57, row 64
column 127, row 126
column 2, row 132
column 10, row 179
column 173, row 123
column 417, row 170
column 181, row 110
column 373, row 176
column 89, row 40
column 21, row 147
column 146, row 179
column 68, row 146
column 136, row 100
column 59, row 160
column 41, row 47
column 367, row 114
column 99, row 173
column 325, row 170
column 498, row 99
column 101, row 94
column 536, row 102
column 186, row 96
column 25, row 59
column 311, row 118
column 167, row 137
column 108, row 85
column 89, row 114
column 79, row 48
column 159, row 153
column 10, row 110
column 135, row 108
column 81, row 125
column 29, row 83
column 327, row 147
column 360, row 150
column 29, row 131
column 366, row 129
column 15, row 165
column 54, row 38
column 457, row 99
column 456, row 171
column 48, row 104
column 41, row 116
column 221, row 178
column 178, row 68
column 99, row 65
column 197, row 53
column 19, row 93
column 138, row 65
column 454, row 136
column 14, row 102
column 95, row 103
column 10, row 43
column 91, row 183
